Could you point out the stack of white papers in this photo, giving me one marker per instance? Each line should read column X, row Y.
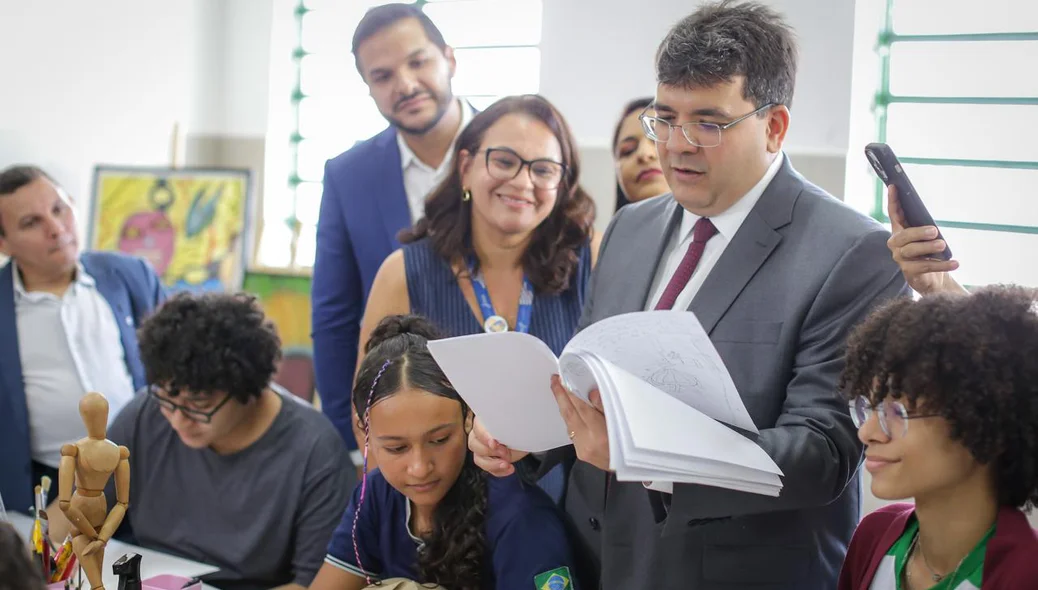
column 666, row 394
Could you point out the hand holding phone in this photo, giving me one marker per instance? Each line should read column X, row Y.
column 914, row 213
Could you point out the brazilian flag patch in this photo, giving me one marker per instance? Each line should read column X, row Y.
column 556, row 579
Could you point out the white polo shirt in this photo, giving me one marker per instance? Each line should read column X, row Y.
column 69, row 345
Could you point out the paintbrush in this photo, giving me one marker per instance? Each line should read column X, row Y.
column 45, row 482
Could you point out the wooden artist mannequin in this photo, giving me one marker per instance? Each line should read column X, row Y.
column 89, row 463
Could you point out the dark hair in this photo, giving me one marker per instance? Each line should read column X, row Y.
column 636, row 105
column 551, row 257
column 380, row 17
column 397, row 356
column 208, row 343
column 17, row 569
column 722, row 40
column 15, row 177
column 970, row 359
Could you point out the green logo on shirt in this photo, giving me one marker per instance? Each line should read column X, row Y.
column 556, row 579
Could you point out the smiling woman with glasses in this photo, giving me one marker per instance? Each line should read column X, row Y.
column 506, row 243
column 944, row 392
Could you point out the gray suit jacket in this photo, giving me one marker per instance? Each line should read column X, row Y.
column 802, row 270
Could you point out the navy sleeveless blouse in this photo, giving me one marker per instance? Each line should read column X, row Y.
column 434, row 292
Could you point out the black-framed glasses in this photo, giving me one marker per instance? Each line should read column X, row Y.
column 505, row 164
column 893, row 415
column 697, row 133
column 201, row 416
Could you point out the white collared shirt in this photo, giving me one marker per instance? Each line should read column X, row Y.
column 727, row 224
column 68, row 345
column 420, row 178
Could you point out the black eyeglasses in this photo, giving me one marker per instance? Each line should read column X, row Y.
column 700, row 134
column 505, row 164
column 203, row 417
column 893, row 416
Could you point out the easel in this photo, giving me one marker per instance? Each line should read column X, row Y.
column 176, row 156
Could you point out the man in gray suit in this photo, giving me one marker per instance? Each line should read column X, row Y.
column 778, row 272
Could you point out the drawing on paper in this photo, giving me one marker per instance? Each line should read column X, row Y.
column 672, row 374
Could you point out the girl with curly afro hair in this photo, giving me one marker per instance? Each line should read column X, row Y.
column 428, row 514
column 944, row 391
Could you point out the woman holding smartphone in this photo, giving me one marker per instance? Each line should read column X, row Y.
column 915, row 250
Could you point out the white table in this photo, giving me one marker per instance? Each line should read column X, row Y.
column 153, row 563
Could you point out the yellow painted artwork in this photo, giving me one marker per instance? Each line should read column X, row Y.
column 189, row 224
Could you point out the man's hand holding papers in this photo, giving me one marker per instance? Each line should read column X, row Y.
column 586, row 424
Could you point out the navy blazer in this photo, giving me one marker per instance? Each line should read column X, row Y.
column 363, row 208
column 133, row 290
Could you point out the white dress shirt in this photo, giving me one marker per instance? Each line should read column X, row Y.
column 420, row 178
column 727, row 224
column 69, row 345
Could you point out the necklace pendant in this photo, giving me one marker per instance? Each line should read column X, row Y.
column 936, row 577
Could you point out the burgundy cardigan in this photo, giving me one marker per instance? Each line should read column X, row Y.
column 1010, row 561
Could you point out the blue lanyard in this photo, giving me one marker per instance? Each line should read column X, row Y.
column 493, row 322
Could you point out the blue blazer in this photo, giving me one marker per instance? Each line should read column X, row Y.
column 133, row 290
column 363, row 208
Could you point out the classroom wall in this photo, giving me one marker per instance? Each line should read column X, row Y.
column 103, row 81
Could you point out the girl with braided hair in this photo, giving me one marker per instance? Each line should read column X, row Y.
column 428, row 514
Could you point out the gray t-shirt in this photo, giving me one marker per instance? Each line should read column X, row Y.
column 263, row 515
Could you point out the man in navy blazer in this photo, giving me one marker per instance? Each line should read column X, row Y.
column 378, row 187
column 67, row 326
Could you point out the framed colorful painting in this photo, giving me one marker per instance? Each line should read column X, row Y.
column 192, row 224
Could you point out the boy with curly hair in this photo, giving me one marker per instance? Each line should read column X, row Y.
column 944, row 392
column 225, row 470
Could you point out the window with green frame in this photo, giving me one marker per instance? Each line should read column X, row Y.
column 496, row 46
column 958, row 103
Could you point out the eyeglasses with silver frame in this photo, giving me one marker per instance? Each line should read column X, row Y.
column 698, row 133
column 893, row 415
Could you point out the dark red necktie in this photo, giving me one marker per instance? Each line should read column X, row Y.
column 704, row 230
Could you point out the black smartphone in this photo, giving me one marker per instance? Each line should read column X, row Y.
column 889, row 169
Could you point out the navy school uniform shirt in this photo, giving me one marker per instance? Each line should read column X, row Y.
column 526, row 542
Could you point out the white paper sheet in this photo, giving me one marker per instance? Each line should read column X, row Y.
column 670, row 351
column 506, row 379
column 664, row 391
column 660, row 438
